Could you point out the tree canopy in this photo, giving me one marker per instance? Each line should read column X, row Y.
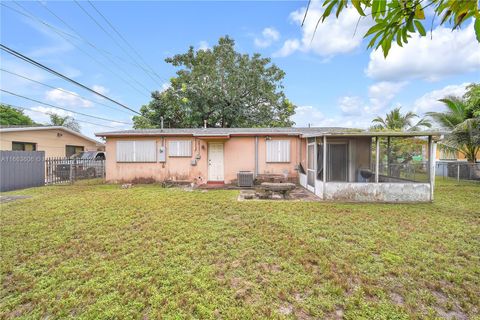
column 13, row 116
column 462, row 118
column 222, row 87
column 396, row 121
column 66, row 121
column 396, row 20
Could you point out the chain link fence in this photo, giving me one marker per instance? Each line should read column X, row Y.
column 459, row 170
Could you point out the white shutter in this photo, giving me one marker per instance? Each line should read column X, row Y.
column 145, row 151
column 278, row 150
column 136, row 151
column 180, row 148
column 125, row 151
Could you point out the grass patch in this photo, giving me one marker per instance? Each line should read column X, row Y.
column 99, row 251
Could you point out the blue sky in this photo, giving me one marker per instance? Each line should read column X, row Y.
column 334, row 80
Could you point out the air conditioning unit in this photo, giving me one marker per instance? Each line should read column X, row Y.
column 245, row 179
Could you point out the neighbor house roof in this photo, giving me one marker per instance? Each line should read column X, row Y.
column 292, row 131
column 15, row 128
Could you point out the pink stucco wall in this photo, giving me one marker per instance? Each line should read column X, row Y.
column 239, row 154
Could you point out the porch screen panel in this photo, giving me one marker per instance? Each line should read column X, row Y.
column 145, row 151
column 125, row 151
column 320, row 161
column 337, row 163
column 180, row 148
column 278, row 150
column 311, row 165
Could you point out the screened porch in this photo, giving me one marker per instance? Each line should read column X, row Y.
column 370, row 167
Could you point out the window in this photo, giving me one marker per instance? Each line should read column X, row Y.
column 278, row 150
column 24, row 146
column 180, row 148
column 71, row 150
column 136, row 151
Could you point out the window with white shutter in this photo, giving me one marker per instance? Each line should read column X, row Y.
column 278, row 150
column 180, row 148
column 137, row 151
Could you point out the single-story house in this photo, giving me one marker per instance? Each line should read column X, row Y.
column 446, row 155
column 56, row 141
column 333, row 163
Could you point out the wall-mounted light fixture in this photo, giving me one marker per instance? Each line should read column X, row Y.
column 268, row 138
column 59, row 134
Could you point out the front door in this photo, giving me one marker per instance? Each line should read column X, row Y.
column 215, row 161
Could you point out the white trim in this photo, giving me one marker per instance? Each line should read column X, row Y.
column 51, row 128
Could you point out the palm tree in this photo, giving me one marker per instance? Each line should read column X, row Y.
column 67, row 121
column 396, row 121
column 464, row 135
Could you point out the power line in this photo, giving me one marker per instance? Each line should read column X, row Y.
column 125, row 40
column 60, row 89
column 62, row 34
column 58, row 74
column 47, row 113
column 114, row 40
column 53, row 106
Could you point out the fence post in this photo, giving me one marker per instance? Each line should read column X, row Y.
column 458, row 171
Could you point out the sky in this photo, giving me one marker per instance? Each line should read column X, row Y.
column 334, row 80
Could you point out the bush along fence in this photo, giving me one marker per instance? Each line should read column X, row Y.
column 65, row 170
column 459, row 170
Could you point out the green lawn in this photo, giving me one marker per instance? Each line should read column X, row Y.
column 99, row 251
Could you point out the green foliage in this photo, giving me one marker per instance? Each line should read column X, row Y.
column 13, row 116
column 396, row 121
column 462, row 118
column 66, row 121
column 396, row 20
column 223, row 87
column 102, row 252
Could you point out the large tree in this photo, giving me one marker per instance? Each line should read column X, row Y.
column 222, row 87
column 64, row 121
column 13, row 116
column 395, row 20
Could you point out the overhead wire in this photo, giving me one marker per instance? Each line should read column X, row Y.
column 65, row 36
column 125, row 40
column 115, row 40
column 61, row 108
column 47, row 113
column 41, row 66
column 63, row 90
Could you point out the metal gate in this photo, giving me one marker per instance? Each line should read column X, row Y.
column 66, row 170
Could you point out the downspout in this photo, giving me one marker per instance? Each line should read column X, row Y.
column 256, row 156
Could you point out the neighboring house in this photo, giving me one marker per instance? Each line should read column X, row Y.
column 445, row 155
column 56, row 141
column 354, row 169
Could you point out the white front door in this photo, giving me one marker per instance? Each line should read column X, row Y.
column 215, row 161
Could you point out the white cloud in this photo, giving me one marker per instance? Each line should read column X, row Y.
column 381, row 95
column 305, row 115
column 40, row 113
column 350, row 104
column 429, row 101
column 100, row 89
column 447, row 53
column 62, row 99
column 333, row 36
column 203, row 45
column 269, row 36
column 289, row 47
